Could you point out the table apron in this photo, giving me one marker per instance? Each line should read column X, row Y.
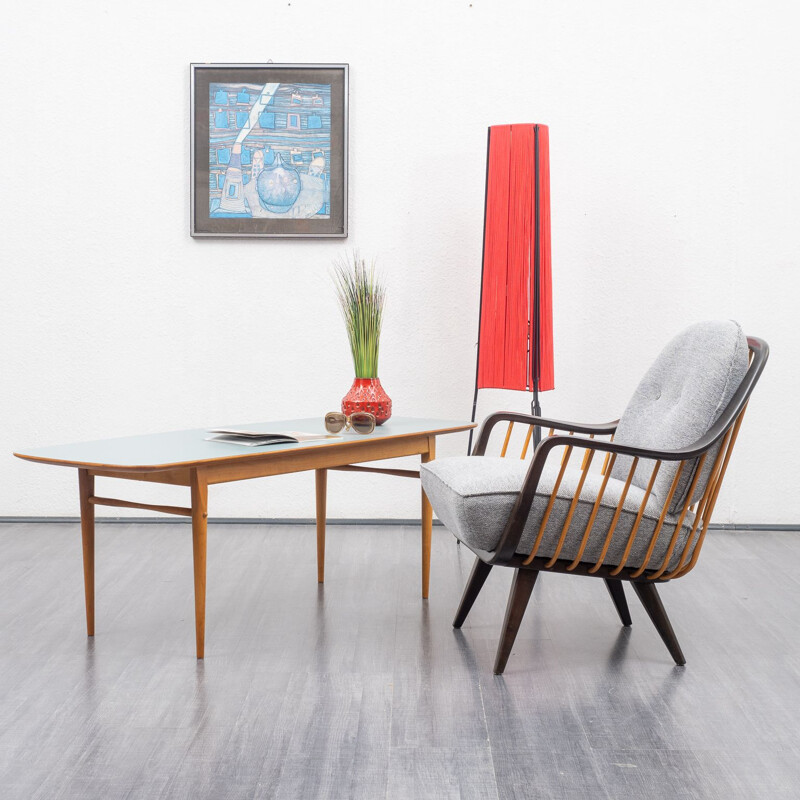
column 177, row 476
column 281, row 463
column 322, row 458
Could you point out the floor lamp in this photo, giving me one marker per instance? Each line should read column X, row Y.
column 515, row 336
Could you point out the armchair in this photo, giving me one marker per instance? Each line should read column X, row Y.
column 641, row 518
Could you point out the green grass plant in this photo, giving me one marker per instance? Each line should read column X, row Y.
column 361, row 296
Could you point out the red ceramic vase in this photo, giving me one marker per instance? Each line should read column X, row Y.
column 367, row 394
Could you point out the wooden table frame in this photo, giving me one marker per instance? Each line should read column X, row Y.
column 198, row 476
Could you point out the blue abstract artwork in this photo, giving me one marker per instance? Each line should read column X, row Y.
column 269, row 150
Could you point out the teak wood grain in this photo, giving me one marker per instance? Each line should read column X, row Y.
column 410, row 438
column 427, row 523
column 199, row 548
column 86, row 490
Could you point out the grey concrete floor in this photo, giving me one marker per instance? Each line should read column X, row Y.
column 359, row 689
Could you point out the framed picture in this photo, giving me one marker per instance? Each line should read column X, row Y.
column 269, row 150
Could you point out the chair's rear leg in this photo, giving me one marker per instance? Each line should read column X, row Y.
column 620, row 603
column 655, row 610
column 521, row 589
column 474, row 585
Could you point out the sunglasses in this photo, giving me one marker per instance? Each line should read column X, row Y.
column 360, row 422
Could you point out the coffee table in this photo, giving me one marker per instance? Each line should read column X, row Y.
column 185, row 458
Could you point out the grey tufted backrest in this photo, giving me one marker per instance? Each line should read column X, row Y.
column 679, row 399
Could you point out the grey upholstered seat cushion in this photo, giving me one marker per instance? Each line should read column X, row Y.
column 473, row 496
column 679, row 399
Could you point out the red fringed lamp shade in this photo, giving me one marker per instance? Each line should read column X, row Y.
column 515, row 346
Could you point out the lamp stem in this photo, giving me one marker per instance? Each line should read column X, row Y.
column 536, row 410
column 480, row 306
column 536, row 370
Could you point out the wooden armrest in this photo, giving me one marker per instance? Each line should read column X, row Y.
column 601, row 429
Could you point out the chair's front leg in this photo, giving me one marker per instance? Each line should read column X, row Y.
column 521, row 589
column 655, row 610
column 480, row 571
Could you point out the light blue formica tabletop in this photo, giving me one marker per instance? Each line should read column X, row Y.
column 187, row 448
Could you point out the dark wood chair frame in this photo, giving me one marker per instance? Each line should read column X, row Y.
column 580, row 436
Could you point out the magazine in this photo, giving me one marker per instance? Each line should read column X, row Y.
column 259, row 438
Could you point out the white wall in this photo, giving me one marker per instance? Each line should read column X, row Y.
column 675, row 197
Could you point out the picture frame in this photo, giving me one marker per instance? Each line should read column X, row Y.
column 268, row 147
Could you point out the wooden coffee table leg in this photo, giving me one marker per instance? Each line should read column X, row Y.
column 199, row 546
column 86, row 488
column 321, row 478
column 427, row 524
